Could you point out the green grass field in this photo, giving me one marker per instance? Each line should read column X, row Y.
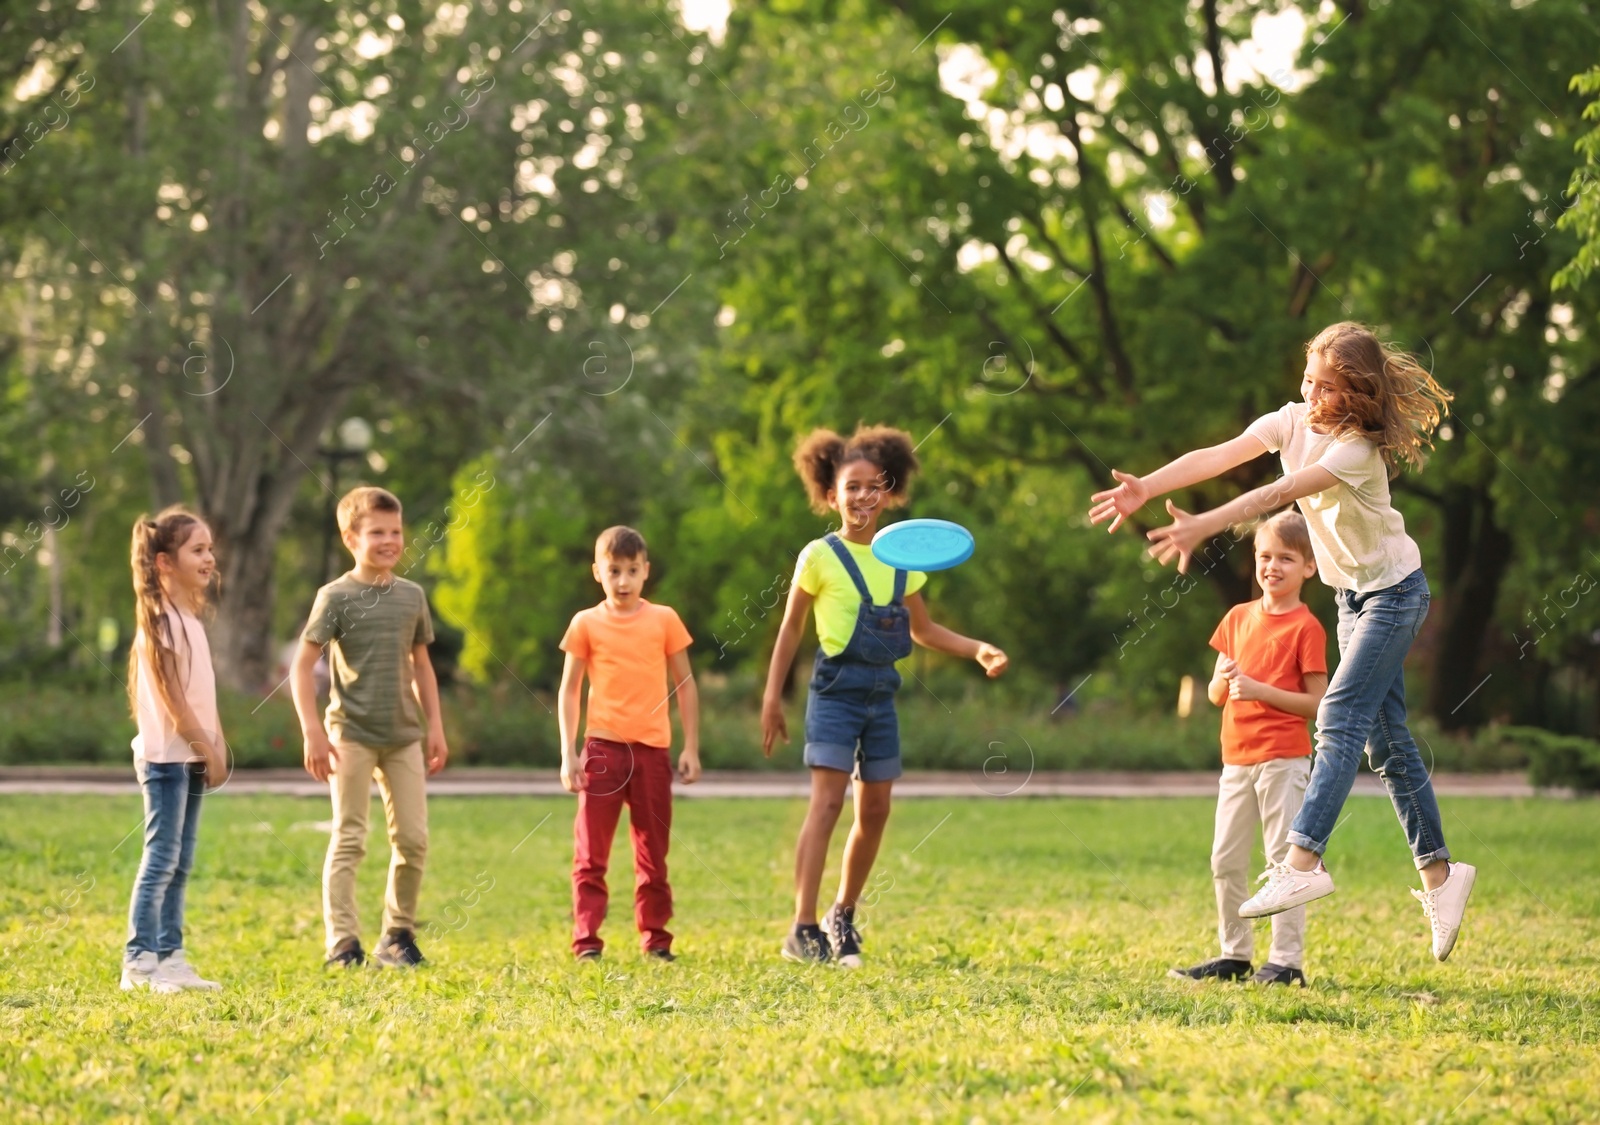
column 1016, row 969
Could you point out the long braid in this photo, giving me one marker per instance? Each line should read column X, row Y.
column 161, row 535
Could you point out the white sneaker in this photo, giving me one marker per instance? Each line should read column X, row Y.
column 1286, row 888
column 177, row 971
column 144, row 972
column 1446, row 904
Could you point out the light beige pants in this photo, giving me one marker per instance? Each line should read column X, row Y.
column 402, row 783
column 1266, row 795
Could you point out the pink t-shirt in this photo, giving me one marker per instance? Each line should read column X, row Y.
column 158, row 739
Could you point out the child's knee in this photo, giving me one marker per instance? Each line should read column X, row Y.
column 412, row 843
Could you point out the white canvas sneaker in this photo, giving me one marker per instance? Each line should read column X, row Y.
column 144, row 972
column 1285, row 889
column 1446, row 904
column 177, row 971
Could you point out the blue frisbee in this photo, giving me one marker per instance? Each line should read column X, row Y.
column 923, row 545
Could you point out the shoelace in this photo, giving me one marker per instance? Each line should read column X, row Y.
column 1430, row 904
column 1276, row 875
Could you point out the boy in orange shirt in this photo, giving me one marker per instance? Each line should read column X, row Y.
column 628, row 647
column 1272, row 669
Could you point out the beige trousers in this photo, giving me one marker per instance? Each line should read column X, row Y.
column 402, row 783
column 1266, row 795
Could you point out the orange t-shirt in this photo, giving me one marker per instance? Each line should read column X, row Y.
column 1279, row 649
column 627, row 659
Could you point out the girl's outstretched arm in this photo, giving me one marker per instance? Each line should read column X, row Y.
column 773, row 724
column 1179, row 539
column 929, row 634
column 1132, row 493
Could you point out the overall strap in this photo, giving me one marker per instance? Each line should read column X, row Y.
column 854, row 571
column 850, row 567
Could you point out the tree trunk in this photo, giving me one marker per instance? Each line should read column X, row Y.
column 1477, row 553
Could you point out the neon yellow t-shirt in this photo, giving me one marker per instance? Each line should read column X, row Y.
column 819, row 573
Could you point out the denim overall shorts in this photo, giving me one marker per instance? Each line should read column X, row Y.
column 851, row 725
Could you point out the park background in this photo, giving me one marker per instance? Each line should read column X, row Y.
column 543, row 269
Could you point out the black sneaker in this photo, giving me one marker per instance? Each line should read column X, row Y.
column 807, row 943
column 587, row 955
column 662, row 954
column 840, row 925
column 346, row 955
column 1223, row 968
column 1278, row 974
column 398, row 950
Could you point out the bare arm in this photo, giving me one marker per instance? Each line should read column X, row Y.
column 426, row 685
column 1187, row 531
column 689, row 711
column 1217, row 689
column 1132, row 493
column 568, row 704
column 318, row 751
column 773, row 725
column 929, row 634
column 1301, row 703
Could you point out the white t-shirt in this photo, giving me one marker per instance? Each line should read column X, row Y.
column 1358, row 538
column 158, row 739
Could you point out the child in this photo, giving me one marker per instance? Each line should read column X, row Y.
column 628, row 647
column 868, row 614
column 179, row 750
column 1368, row 412
column 1272, row 669
column 377, row 629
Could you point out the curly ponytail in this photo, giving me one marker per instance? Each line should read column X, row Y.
column 162, row 534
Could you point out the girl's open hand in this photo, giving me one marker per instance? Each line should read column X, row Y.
column 994, row 661
column 1117, row 504
column 1178, row 539
column 773, row 726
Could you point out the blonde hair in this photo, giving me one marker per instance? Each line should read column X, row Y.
column 363, row 501
column 162, row 534
column 1382, row 394
column 1289, row 528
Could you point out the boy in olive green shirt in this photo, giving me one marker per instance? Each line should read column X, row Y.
column 377, row 629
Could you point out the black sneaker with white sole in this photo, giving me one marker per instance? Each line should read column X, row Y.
column 806, row 944
column 1223, row 968
column 587, row 955
column 1278, row 974
column 661, row 953
column 348, row 954
column 398, row 950
column 839, row 923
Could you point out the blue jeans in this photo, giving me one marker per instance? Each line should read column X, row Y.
column 172, row 793
column 851, row 722
column 1365, row 709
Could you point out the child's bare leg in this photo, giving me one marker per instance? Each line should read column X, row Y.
column 1434, row 875
column 1303, row 859
column 866, row 835
column 811, row 852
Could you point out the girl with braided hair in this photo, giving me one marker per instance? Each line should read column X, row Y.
column 179, row 749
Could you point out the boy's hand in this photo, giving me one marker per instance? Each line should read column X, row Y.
column 1241, row 686
column 993, row 660
column 571, row 773
column 689, row 765
column 1117, row 504
column 320, row 758
column 773, row 726
column 438, row 752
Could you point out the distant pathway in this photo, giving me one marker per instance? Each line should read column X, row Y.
column 470, row 782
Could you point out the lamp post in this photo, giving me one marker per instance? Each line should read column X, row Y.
column 352, row 439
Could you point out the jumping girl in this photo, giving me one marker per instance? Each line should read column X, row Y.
column 179, row 749
column 1368, row 412
column 868, row 615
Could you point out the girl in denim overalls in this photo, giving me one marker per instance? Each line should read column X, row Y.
column 868, row 615
column 1368, row 412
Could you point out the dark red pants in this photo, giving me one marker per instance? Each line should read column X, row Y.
column 618, row 773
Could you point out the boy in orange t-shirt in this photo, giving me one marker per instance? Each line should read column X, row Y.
column 627, row 647
column 1272, row 669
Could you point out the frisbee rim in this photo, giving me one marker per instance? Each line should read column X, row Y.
column 927, row 523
